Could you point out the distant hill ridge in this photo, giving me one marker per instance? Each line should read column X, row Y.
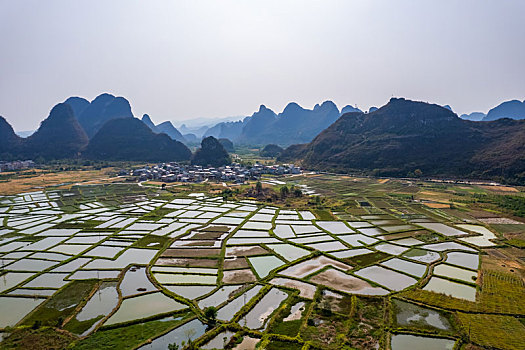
column 104, row 129
column 93, row 115
column 396, row 139
column 510, row 109
column 211, row 152
column 59, row 136
column 131, row 140
column 9, row 142
column 165, row 127
column 474, row 116
column 294, row 125
column 405, row 135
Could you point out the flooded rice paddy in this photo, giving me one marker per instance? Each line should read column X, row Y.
column 263, row 265
column 149, row 257
column 338, row 280
column 231, row 308
column 104, row 300
column 306, row 290
column 387, row 278
column 144, row 306
column 408, row 314
column 453, row 289
column 405, row 341
column 257, row 317
column 485, row 240
column 12, row 310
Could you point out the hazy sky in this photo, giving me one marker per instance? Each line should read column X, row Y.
column 187, row 59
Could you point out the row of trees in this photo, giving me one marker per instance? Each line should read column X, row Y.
column 285, row 192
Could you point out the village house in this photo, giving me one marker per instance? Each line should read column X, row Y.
column 235, row 173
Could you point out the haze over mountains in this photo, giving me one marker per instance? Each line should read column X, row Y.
column 165, row 127
column 510, row 109
column 395, row 139
column 513, row 109
column 474, row 116
column 294, row 125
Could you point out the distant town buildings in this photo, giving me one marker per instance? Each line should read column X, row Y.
column 16, row 165
column 236, row 173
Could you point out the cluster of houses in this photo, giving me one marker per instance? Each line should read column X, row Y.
column 16, row 165
column 236, row 173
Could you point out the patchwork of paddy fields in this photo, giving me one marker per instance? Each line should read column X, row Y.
column 99, row 262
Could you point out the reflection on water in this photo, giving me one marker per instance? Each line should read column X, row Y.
column 405, row 341
column 187, row 332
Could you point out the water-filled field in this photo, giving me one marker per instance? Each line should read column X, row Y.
column 93, row 260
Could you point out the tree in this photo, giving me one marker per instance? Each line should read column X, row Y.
column 227, row 193
column 418, row 173
column 210, row 314
column 258, row 187
column 189, row 334
column 173, row 346
column 284, row 192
